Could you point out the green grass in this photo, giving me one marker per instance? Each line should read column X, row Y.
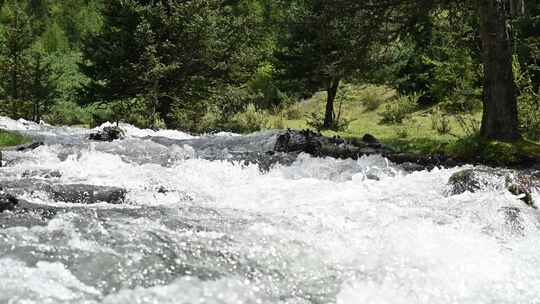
column 11, row 139
column 416, row 129
column 415, row 134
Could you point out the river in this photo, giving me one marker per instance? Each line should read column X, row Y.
column 200, row 225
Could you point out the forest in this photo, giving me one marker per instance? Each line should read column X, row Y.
column 407, row 71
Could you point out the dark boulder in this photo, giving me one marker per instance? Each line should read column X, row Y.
column 317, row 145
column 418, row 162
column 7, row 202
column 369, row 139
column 41, row 173
column 484, row 179
column 107, row 134
column 29, row 147
column 426, row 100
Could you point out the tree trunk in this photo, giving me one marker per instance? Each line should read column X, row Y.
column 500, row 119
column 331, row 96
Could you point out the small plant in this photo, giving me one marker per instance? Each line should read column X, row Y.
column 402, row 132
column 293, row 112
column 440, row 123
column 398, row 110
column 468, row 124
column 528, row 102
column 250, row 120
column 372, row 101
column 316, row 121
column 279, row 122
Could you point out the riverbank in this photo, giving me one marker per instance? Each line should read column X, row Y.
column 423, row 131
column 8, row 138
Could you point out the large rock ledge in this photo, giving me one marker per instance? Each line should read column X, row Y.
column 318, row 145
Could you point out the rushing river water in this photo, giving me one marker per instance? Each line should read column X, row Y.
column 197, row 227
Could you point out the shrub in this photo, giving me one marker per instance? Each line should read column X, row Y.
column 440, row 123
column 316, row 121
column 529, row 114
column 250, row 120
column 468, row 124
column 279, row 122
column 372, row 101
column 463, row 102
column 402, row 132
column 474, row 148
column 396, row 111
column 528, row 102
column 294, row 111
column 68, row 113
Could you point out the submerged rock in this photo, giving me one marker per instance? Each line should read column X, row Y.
column 28, row 147
column 68, row 193
column 87, row 194
column 479, row 179
column 42, row 173
column 7, row 202
column 107, row 134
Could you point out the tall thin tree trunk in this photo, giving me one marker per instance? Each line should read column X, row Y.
column 500, row 118
column 331, row 96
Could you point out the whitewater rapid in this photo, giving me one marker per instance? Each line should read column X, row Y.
column 197, row 227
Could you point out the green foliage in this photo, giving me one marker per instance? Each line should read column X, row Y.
column 399, row 109
column 440, row 122
column 264, row 88
column 469, row 125
column 463, row 101
column 68, row 113
column 372, row 101
column 442, row 59
column 315, row 120
column 476, row 149
column 25, row 70
column 250, row 120
column 402, row 133
column 528, row 102
column 293, row 111
column 173, row 55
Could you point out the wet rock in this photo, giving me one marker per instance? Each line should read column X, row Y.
column 474, row 180
column 29, row 147
column 7, row 202
column 518, row 183
column 523, row 185
column 371, row 140
column 42, row 174
column 417, row 162
column 87, row 194
column 107, row 134
column 317, row 145
column 68, row 193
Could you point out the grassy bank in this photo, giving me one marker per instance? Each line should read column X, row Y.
column 11, row 139
column 428, row 130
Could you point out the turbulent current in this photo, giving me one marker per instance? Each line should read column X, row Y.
column 201, row 225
